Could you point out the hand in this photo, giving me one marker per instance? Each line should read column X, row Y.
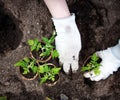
column 68, row 42
column 109, row 64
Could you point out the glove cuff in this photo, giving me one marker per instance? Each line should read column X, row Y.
column 69, row 18
column 64, row 25
column 116, row 50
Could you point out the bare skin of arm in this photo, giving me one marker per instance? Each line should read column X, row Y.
column 58, row 8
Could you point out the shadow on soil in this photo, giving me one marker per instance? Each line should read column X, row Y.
column 10, row 33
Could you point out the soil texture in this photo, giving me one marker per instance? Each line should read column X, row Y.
column 99, row 25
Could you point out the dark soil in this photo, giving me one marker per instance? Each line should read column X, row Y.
column 10, row 34
column 20, row 20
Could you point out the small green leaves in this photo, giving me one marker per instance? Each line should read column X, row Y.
column 34, row 69
column 86, row 68
column 96, row 71
column 38, row 46
column 48, row 73
column 46, row 46
column 3, row 98
column 94, row 57
column 26, row 59
column 34, row 44
column 92, row 65
column 39, row 51
column 30, row 42
column 20, row 63
column 43, row 79
column 46, row 68
column 55, row 54
column 55, row 70
column 45, row 53
column 45, row 40
column 26, row 71
column 26, row 64
column 41, row 69
column 52, row 39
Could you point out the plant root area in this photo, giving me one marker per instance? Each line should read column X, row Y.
column 20, row 20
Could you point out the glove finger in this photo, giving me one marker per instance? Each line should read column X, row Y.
column 66, row 67
column 74, row 66
column 89, row 74
column 97, row 78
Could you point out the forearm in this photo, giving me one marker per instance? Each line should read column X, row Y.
column 58, row 8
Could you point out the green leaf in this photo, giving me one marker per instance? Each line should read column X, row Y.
column 38, row 47
column 53, row 79
column 92, row 65
column 86, row 68
column 97, row 65
column 3, row 98
column 52, row 39
column 55, row 54
column 48, row 52
column 94, row 57
column 21, row 63
column 43, row 79
column 26, row 71
column 34, row 44
column 49, row 47
column 34, row 69
column 46, row 68
column 55, row 70
column 30, row 42
column 33, row 48
column 41, row 69
column 45, row 40
column 26, row 59
column 36, row 41
column 49, row 73
column 45, row 53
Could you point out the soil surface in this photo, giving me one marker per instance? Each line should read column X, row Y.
column 20, row 20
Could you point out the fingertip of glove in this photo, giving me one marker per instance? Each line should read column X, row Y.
column 66, row 68
column 89, row 74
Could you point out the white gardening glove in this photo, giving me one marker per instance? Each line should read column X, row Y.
column 110, row 63
column 68, row 42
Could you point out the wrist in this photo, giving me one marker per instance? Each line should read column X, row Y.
column 58, row 8
column 65, row 25
column 65, row 19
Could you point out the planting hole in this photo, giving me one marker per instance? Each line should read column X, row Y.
column 10, row 34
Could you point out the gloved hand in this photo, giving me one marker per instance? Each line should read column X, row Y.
column 68, row 42
column 110, row 63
